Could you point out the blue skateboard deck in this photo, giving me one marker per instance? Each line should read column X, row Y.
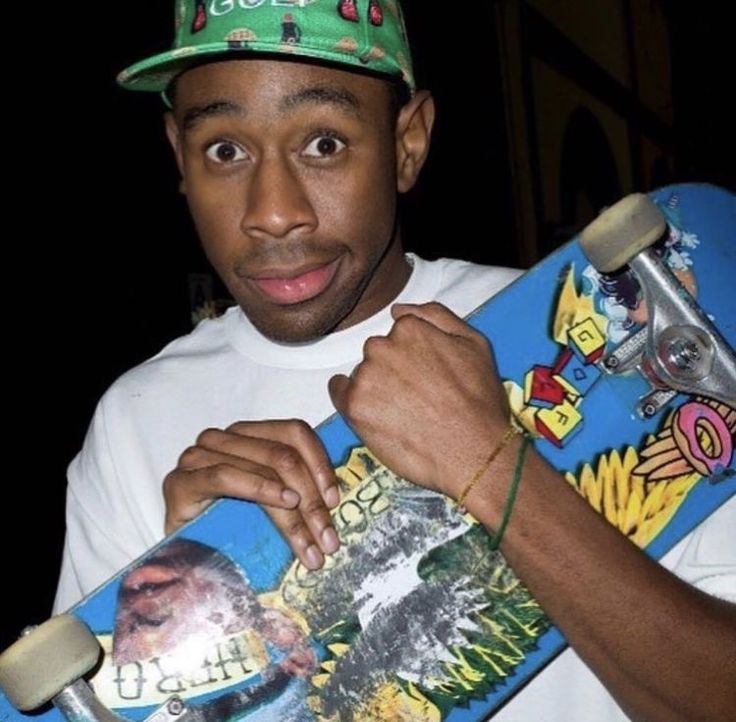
column 415, row 617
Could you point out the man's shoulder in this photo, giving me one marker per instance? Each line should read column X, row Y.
column 465, row 285
column 184, row 359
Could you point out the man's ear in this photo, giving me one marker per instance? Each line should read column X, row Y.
column 172, row 133
column 413, row 134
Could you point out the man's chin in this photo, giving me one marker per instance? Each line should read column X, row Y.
column 291, row 335
column 295, row 328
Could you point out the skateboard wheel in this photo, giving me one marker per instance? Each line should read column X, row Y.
column 45, row 661
column 622, row 231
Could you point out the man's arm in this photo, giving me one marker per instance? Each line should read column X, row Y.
column 427, row 401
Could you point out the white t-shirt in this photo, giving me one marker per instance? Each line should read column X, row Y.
column 226, row 371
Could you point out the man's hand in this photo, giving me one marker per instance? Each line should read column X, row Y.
column 426, row 399
column 280, row 465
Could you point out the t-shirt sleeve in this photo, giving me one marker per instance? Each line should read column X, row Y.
column 707, row 557
column 103, row 530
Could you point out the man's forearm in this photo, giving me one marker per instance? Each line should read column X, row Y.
column 665, row 650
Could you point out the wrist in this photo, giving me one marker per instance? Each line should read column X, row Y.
column 484, row 469
column 495, row 492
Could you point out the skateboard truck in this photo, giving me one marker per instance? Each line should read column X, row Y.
column 48, row 663
column 78, row 702
column 679, row 350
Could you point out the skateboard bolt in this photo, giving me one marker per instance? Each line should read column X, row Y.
column 175, row 706
column 649, row 410
column 611, row 362
column 683, row 355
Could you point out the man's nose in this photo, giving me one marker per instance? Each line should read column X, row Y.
column 276, row 202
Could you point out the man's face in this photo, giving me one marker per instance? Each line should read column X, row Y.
column 290, row 175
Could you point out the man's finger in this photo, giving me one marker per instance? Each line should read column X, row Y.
column 300, row 465
column 188, row 492
column 303, row 439
column 338, row 387
column 300, row 537
column 276, row 463
column 434, row 313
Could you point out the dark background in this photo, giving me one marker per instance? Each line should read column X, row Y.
column 99, row 243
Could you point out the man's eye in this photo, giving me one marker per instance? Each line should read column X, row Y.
column 225, row 151
column 323, row 146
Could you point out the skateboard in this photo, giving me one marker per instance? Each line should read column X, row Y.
column 626, row 384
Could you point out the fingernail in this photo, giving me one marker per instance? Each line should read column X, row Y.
column 313, row 557
column 330, row 542
column 332, row 497
column 290, row 497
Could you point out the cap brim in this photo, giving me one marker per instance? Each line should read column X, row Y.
column 156, row 73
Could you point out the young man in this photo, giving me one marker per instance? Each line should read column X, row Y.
column 293, row 137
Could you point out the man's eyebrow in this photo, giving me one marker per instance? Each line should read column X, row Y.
column 312, row 95
column 197, row 113
column 321, row 95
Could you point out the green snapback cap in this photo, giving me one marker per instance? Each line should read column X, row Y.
column 367, row 34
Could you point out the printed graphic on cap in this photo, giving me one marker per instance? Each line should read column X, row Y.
column 200, row 16
column 348, row 10
column 291, row 33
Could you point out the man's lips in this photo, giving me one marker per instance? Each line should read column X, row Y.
column 286, row 289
